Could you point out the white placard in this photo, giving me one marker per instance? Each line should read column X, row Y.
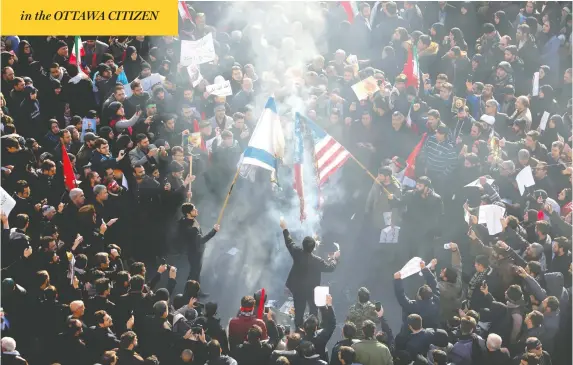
column 320, row 293
column 544, row 120
column 197, row 52
column 223, row 89
column 477, row 184
column 524, row 179
column 412, row 267
column 194, row 74
column 390, row 235
column 387, row 218
column 535, row 89
column 491, row 215
column 365, row 88
column 8, row 203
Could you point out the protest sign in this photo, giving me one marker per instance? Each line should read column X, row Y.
column 8, row 203
column 477, row 184
column 365, row 88
column 491, row 215
column 221, row 89
column 320, row 294
column 88, row 123
column 194, row 74
column 535, row 88
column 412, row 267
column 544, row 120
column 524, row 179
column 197, row 52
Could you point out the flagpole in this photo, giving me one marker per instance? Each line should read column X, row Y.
column 190, row 174
column 369, row 173
column 229, row 194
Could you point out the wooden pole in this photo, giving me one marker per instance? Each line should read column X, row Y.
column 228, row 195
column 369, row 174
column 190, row 174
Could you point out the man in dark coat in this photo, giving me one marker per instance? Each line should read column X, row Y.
column 190, row 231
column 305, row 273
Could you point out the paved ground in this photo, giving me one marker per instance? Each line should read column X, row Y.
column 265, row 262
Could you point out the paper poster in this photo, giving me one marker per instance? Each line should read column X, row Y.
column 146, row 83
column 544, row 120
column 491, row 215
column 197, row 52
column 8, row 203
column 88, row 124
column 477, row 184
column 524, row 179
column 467, row 216
column 412, row 267
column 387, row 218
column 194, row 74
column 222, row 89
column 390, row 234
column 365, row 88
column 320, row 294
column 535, row 89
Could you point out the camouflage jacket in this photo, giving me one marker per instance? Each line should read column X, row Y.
column 359, row 312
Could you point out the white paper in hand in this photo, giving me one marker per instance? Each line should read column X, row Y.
column 477, row 184
column 320, row 293
column 387, row 218
column 412, row 267
column 524, row 179
column 544, row 120
column 8, row 203
column 535, row 89
column 491, row 215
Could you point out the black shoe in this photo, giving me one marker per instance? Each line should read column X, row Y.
column 202, row 294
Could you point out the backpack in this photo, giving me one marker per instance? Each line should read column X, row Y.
column 461, row 353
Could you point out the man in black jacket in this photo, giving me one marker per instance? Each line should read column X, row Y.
column 349, row 333
column 190, row 231
column 305, row 273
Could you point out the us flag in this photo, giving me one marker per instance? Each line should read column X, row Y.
column 329, row 155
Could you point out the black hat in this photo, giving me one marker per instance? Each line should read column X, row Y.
column 56, row 84
column 175, row 166
column 532, row 343
column 106, row 57
column 90, row 136
column 89, row 38
column 103, row 67
column 91, row 114
column 145, row 65
column 30, row 89
column 424, row 180
column 61, row 44
column 509, row 90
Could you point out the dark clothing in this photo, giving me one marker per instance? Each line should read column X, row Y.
column 428, row 309
column 190, row 232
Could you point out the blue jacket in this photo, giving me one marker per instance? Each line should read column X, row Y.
column 428, row 309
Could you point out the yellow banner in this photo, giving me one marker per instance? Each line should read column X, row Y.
column 101, row 17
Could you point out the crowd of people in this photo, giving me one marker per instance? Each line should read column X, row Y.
column 80, row 275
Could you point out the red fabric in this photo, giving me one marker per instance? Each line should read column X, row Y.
column 566, row 209
column 540, row 215
column 123, row 56
column 94, row 60
column 261, row 308
column 411, row 160
column 69, row 177
column 115, row 120
column 348, row 9
column 412, row 80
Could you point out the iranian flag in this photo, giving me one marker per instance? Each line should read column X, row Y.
column 77, row 53
column 184, row 11
column 411, row 68
column 350, row 8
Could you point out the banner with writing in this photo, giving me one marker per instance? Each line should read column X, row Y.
column 146, row 83
column 222, row 89
column 197, row 52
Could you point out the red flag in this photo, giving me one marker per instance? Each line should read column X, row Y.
column 69, row 177
column 411, row 160
column 347, row 6
column 411, row 69
column 261, row 304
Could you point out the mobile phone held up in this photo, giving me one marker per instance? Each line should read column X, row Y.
column 378, row 306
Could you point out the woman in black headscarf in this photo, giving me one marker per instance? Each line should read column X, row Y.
column 132, row 63
column 154, row 59
column 25, row 58
column 503, row 25
column 457, row 39
column 544, row 102
column 30, row 122
column 437, row 33
column 551, row 132
column 467, row 22
column 548, row 45
column 8, row 59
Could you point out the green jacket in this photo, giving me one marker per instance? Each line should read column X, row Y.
column 372, row 352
